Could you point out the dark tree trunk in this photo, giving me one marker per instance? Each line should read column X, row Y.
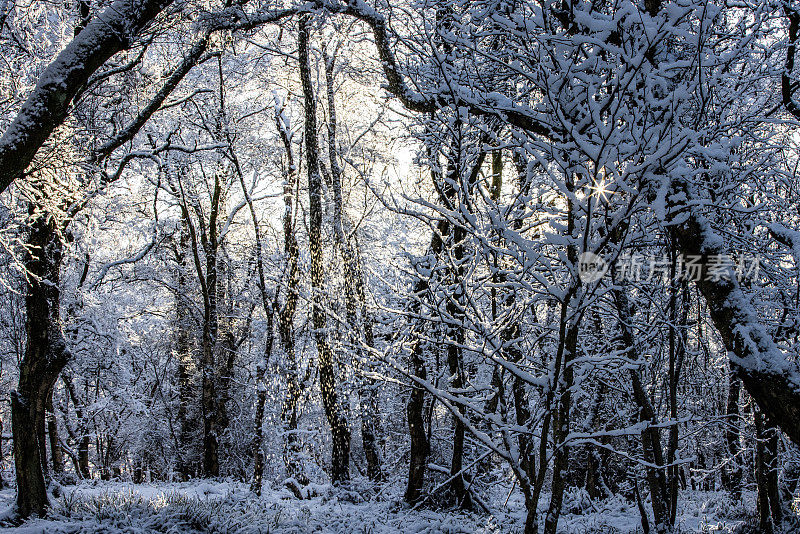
column 83, row 457
column 208, row 277
column 83, row 445
column 455, row 310
column 415, row 408
column 526, row 470
column 56, row 454
column 138, row 474
column 561, row 424
column 561, row 385
column 762, row 484
column 227, row 353
column 651, row 436
column 258, row 440
column 209, row 395
column 186, row 446
column 769, row 438
column 732, row 473
column 640, row 505
column 82, row 436
column 678, row 310
column 456, row 197
column 460, row 493
column 45, row 356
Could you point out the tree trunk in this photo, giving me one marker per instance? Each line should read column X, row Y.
column 561, row 423
column 227, row 355
column 770, row 458
column 455, row 310
column 561, row 385
column 269, row 312
column 732, row 473
column 83, row 457
column 651, row 435
column 208, row 386
column 210, row 337
column 186, row 446
column 32, row 495
column 56, row 454
column 83, row 434
column 525, row 471
column 762, row 484
column 334, row 410
column 420, row 444
column 462, row 497
column 415, row 409
column 45, row 356
column 678, row 310
column 355, row 292
column 456, row 198
column 289, row 412
column 138, row 473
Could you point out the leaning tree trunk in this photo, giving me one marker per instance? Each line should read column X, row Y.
column 45, row 356
column 49, row 103
column 771, row 379
column 334, row 410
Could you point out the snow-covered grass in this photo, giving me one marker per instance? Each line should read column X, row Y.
column 228, row 507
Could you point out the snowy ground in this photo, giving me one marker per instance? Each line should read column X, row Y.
column 227, row 507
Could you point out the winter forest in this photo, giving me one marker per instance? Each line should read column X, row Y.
column 390, row 266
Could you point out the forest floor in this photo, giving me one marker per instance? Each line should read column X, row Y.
column 228, row 507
